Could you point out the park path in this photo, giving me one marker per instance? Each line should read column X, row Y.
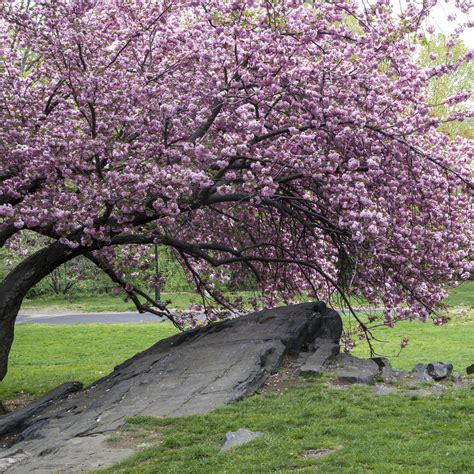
column 88, row 318
column 111, row 317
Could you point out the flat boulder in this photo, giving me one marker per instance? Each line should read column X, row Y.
column 190, row 373
column 238, row 438
column 350, row 369
column 316, row 362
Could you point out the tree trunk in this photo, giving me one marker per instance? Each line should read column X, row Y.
column 16, row 285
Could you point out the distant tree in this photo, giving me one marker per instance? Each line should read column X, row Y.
column 253, row 136
column 438, row 52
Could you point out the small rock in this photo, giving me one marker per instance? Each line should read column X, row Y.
column 237, row 438
column 437, row 389
column 456, row 377
column 470, row 369
column 387, row 373
column 382, row 389
column 350, row 369
column 315, row 362
column 419, row 374
column 439, row 370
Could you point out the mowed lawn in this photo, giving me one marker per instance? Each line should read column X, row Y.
column 44, row 356
column 367, row 433
column 460, row 296
column 363, row 432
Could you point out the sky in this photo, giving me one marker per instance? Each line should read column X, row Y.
column 438, row 19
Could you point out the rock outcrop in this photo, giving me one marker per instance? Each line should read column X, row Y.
column 190, row 373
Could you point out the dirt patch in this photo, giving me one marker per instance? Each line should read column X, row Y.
column 317, row 453
column 286, row 377
column 12, row 405
column 134, row 438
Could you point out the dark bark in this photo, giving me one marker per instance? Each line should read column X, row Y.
column 6, row 232
column 16, row 285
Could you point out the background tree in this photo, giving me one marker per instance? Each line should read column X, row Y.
column 252, row 136
column 440, row 51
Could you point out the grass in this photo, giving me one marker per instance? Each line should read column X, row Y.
column 453, row 342
column 368, row 433
column 460, row 296
column 45, row 356
column 463, row 295
column 98, row 303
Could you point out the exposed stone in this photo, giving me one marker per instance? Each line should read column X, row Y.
column 438, row 389
column 382, row 389
column 456, row 377
column 463, row 383
column 419, row 374
column 237, row 438
column 435, row 390
column 19, row 419
column 439, row 370
column 189, row 373
column 470, row 369
column 387, row 373
column 350, row 369
column 315, row 362
column 418, row 392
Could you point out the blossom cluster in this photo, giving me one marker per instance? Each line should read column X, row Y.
column 289, row 140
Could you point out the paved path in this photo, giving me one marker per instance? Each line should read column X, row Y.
column 88, row 318
column 113, row 318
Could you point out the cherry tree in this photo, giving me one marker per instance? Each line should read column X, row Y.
column 288, row 140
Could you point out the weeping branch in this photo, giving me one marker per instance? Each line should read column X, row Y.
column 158, row 309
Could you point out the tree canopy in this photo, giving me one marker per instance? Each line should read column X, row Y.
column 290, row 140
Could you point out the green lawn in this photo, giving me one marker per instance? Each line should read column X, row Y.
column 453, row 342
column 461, row 296
column 44, row 356
column 369, row 433
column 99, row 303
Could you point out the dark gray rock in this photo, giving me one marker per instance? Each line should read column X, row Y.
column 387, row 373
column 316, row 361
column 350, row 369
column 190, row 373
column 470, row 369
column 418, row 374
column 439, row 370
column 237, row 438
column 19, row 419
